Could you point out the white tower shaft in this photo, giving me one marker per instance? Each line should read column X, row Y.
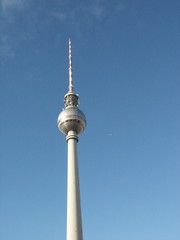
column 74, row 222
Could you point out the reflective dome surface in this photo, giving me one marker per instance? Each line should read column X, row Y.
column 71, row 119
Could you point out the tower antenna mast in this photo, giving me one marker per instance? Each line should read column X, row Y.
column 71, row 88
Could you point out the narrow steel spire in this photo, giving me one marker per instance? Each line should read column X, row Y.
column 71, row 88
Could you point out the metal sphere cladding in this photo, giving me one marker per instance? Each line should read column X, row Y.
column 71, row 119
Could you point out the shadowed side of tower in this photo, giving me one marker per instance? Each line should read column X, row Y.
column 71, row 122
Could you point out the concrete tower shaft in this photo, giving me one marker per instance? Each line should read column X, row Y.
column 74, row 221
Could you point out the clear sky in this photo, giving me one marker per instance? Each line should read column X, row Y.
column 126, row 59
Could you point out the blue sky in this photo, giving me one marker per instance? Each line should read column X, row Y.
column 126, row 70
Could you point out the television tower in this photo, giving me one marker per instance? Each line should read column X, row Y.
column 71, row 122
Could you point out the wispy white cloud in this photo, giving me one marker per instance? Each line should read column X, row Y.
column 122, row 6
column 6, row 49
column 97, row 11
column 81, row 13
column 8, row 9
column 109, row 134
column 77, row 17
column 59, row 15
column 10, row 4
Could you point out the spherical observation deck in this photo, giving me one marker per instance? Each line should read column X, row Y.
column 71, row 119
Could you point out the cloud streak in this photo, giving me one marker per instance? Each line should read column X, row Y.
column 26, row 15
column 58, row 15
column 97, row 11
column 5, row 46
column 82, row 12
column 8, row 9
column 11, row 4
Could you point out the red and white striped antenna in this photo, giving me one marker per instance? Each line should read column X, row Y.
column 71, row 88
